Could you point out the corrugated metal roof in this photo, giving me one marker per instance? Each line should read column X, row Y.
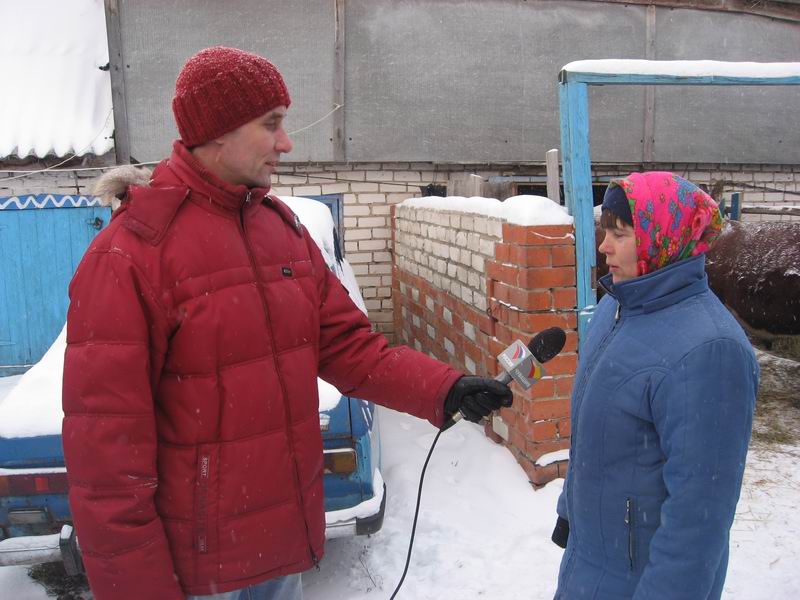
column 54, row 99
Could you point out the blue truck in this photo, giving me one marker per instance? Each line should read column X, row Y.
column 35, row 521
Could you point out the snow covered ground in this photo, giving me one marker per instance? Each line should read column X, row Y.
column 484, row 533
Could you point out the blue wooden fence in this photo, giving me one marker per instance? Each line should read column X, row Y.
column 42, row 238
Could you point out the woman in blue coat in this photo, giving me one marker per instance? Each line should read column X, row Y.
column 661, row 410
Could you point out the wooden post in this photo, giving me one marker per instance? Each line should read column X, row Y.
column 122, row 142
column 474, row 185
column 551, row 160
column 574, row 115
column 467, row 185
column 339, row 154
column 650, row 91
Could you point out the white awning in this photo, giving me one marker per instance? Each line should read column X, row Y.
column 54, row 99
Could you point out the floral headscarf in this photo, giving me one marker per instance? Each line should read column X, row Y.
column 673, row 219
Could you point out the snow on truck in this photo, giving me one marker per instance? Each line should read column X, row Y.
column 35, row 521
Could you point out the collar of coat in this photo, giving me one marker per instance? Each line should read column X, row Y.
column 151, row 201
column 659, row 289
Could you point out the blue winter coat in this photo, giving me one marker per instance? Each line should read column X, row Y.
column 661, row 415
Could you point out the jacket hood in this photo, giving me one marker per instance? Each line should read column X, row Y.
column 113, row 185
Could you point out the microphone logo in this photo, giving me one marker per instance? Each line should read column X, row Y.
column 520, row 364
column 536, row 371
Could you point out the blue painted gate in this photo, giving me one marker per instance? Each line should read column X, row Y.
column 43, row 239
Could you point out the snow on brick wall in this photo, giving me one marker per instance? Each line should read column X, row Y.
column 369, row 190
column 449, row 250
column 466, row 286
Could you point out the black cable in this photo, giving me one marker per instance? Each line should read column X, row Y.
column 416, row 514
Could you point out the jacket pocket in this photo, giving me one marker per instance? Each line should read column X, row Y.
column 629, row 522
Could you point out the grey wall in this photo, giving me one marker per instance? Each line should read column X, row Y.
column 474, row 81
column 471, row 80
column 158, row 37
column 727, row 124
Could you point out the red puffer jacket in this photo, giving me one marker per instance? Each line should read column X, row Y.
column 199, row 321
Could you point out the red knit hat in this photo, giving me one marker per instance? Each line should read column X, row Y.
column 220, row 89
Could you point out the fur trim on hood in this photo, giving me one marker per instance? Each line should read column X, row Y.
column 113, row 185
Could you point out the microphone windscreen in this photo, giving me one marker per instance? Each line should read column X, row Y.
column 546, row 344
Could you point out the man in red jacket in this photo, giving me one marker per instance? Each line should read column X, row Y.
column 199, row 321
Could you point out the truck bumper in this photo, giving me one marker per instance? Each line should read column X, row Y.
column 38, row 549
column 363, row 519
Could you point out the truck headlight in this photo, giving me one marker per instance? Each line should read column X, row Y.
column 341, row 461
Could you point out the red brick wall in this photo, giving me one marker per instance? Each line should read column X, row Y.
column 528, row 284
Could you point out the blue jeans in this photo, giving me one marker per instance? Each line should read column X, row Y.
column 281, row 588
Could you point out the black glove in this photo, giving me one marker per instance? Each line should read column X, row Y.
column 476, row 397
column 561, row 533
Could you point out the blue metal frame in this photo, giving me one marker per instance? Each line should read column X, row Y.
column 335, row 203
column 31, row 452
column 574, row 120
column 736, row 206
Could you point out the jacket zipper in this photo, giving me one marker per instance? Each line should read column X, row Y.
column 582, row 387
column 287, row 408
column 629, row 523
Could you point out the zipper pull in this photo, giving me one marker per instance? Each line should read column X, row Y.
column 616, row 317
column 631, row 539
column 249, row 195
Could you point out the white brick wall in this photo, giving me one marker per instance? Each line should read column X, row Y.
column 760, row 185
column 449, row 249
column 438, row 246
column 49, row 182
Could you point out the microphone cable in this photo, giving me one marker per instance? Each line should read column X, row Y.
column 416, row 514
column 543, row 347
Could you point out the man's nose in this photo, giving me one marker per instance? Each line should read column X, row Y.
column 283, row 144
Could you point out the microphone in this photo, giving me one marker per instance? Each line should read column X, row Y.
column 522, row 363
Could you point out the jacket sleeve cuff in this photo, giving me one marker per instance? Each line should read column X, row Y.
column 561, row 533
column 440, row 414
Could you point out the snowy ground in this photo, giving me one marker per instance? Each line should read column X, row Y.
column 484, row 533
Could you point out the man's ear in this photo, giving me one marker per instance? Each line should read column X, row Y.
column 220, row 141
